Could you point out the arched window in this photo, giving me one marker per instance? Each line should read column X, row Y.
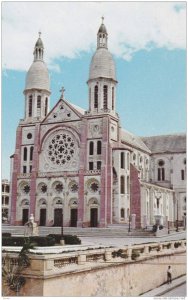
column 39, row 101
column 122, row 160
column 128, row 161
column 182, row 175
column 128, row 185
column 122, row 185
column 89, row 98
column 46, row 106
column 161, row 170
column 96, row 97
column 25, row 154
column 105, row 96
column 122, row 213
column 31, row 153
column 91, row 148
column 30, row 105
column 112, row 98
column 98, row 147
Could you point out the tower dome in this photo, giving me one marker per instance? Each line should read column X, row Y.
column 102, row 63
column 37, row 76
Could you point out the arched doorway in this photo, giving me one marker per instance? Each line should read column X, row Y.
column 42, row 217
column 93, row 217
column 58, row 216
column 73, row 217
column 25, row 215
column 73, row 212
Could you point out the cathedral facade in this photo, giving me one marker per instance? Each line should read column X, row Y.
column 80, row 168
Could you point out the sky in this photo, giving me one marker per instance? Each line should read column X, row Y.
column 146, row 39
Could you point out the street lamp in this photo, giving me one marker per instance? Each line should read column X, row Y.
column 177, row 227
column 129, row 230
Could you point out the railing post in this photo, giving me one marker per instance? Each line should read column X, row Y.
column 108, row 255
column 81, row 259
column 146, row 250
column 129, row 252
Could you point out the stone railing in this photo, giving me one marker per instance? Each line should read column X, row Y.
column 91, row 257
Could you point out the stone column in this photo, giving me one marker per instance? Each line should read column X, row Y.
column 133, row 221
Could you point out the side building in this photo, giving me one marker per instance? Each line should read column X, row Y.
column 5, row 195
column 168, row 168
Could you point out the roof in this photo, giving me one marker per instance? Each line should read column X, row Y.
column 39, row 43
column 133, row 140
column 166, row 143
column 78, row 108
column 37, row 76
column 102, row 29
column 102, row 65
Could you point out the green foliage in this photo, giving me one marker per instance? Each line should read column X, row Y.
column 57, row 237
column 177, row 244
column 6, row 234
column 119, row 253
column 20, row 241
column 71, row 240
column 11, row 270
column 154, row 229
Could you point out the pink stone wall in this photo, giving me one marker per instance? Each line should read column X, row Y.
column 16, row 170
column 83, row 155
column 34, row 170
column 135, row 195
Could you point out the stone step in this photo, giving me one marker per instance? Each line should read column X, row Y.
column 87, row 232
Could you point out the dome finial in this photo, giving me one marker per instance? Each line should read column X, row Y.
column 102, row 19
column 39, row 33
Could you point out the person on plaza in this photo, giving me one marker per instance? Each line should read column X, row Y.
column 169, row 275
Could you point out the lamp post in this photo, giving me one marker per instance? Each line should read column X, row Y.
column 177, row 227
column 129, row 230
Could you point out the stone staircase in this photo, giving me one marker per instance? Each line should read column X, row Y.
column 110, row 231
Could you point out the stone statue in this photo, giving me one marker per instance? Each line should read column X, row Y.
column 31, row 227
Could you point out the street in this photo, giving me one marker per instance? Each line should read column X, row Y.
column 180, row 291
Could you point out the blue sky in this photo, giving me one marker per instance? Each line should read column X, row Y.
column 150, row 62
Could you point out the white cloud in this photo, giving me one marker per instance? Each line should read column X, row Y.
column 70, row 27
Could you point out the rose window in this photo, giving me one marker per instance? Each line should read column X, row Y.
column 26, row 189
column 61, row 149
column 44, row 188
column 59, row 187
column 74, row 187
column 94, row 186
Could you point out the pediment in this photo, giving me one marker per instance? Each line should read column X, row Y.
column 62, row 112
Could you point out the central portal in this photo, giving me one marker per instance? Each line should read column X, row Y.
column 93, row 217
column 58, row 216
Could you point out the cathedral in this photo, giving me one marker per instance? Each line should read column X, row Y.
column 80, row 168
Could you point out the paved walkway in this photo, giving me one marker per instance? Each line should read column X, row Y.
column 165, row 287
column 129, row 240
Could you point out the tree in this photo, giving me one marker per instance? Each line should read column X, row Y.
column 13, row 267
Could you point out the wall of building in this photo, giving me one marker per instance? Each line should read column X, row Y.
column 96, row 272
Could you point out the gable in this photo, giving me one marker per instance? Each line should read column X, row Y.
column 62, row 112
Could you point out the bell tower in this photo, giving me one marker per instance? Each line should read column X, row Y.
column 37, row 87
column 102, row 77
